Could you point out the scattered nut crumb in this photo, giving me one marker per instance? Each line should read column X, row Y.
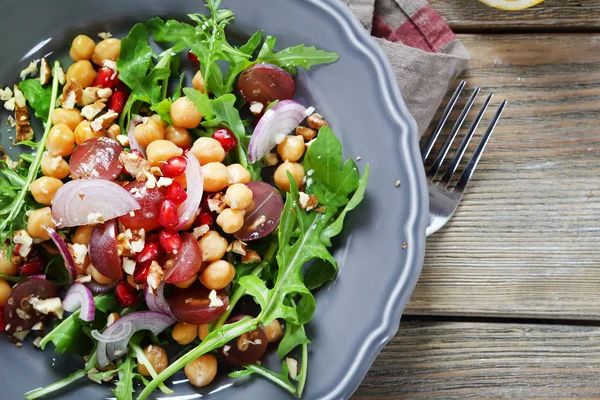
column 251, row 256
column 104, row 35
column 358, row 158
column 397, row 183
column 404, row 245
column 45, row 72
column 31, row 69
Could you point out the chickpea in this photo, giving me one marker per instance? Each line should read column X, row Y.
column 38, row 221
column 108, row 49
column 157, row 357
column 179, row 136
column 148, row 132
column 292, row 148
column 208, row 150
column 202, row 370
column 203, row 331
column 82, row 234
column 198, row 82
column 113, row 131
column 236, row 173
column 281, row 178
column 184, row 333
column 83, row 72
column 186, row 284
column 98, row 277
column 159, row 151
column 274, row 331
column 238, row 196
column 213, row 246
column 61, row 141
column 82, row 48
column 217, row 275
column 55, row 167
column 215, row 176
column 231, row 220
column 85, row 132
column 4, row 292
column 70, row 118
column 44, row 189
column 7, row 267
column 185, row 114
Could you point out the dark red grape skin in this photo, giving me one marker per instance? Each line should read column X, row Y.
column 150, row 201
column 96, row 158
column 264, row 83
column 186, row 263
column 19, row 299
column 247, row 348
column 103, row 250
column 192, row 305
column 263, row 216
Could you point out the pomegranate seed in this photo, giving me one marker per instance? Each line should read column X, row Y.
column 226, row 138
column 117, row 101
column 205, row 218
column 105, row 78
column 2, row 321
column 140, row 275
column 32, row 267
column 193, row 58
column 167, row 215
column 149, row 253
column 174, row 167
column 16, row 249
column 175, row 193
column 125, row 294
column 170, row 241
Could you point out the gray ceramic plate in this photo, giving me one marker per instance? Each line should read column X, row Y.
column 360, row 311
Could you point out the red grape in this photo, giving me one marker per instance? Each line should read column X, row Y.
column 103, row 250
column 186, row 263
column 150, row 201
column 97, row 158
column 263, row 215
column 247, row 348
column 192, row 305
column 19, row 299
column 265, row 83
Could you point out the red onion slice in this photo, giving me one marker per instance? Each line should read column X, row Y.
column 79, row 296
column 64, row 252
column 144, row 320
column 133, row 144
column 89, row 201
column 195, row 186
column 272, row 128
column 158, row 303
column 121, row 334
column 38, row 276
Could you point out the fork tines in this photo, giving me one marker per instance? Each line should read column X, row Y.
column 472, row 164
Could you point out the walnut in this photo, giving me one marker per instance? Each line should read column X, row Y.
column 60, row 75
column 155, row 275
column 200, row 231
column 308, row 202
column 306, row 133
column 31, row 69
column 6, row 94
column 104, row 121
column 270, row 159
column 216, row 203
column 237, row 247
column 91, row 111
column 22, row 118
column 250, row 257
column 45, row 72
column 88, row 96
column 71, row 95
column 316, row 121
column 133, row 163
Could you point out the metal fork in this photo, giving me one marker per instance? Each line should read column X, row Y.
column 443, row 200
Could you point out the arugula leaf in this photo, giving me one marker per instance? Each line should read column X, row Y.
column 252, row 43
column 164, row 110
column 124, row 387
column 38, row 97
column 179, row 88
column 297, row 56
column 294, row 336
column 171, row 31
column 201, row 101
column 280, row 379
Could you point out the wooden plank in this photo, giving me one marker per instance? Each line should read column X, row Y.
column 525, row 241
column 449, row 360
column 550, row 16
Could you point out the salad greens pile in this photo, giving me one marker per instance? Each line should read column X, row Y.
column 281, row 283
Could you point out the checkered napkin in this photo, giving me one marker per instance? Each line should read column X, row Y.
column 425, row 54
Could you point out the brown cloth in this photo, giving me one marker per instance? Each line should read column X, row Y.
column 425, row 54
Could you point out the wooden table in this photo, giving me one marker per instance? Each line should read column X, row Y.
column 508, row 304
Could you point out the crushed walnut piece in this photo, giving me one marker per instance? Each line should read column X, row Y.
column 45, row 72
column 23, row 124
column 216, row 203
column 104, row 35
column 308, row 202
column 71, row 95
column 60, row 75
column 30, row 70
column 128, row 265
column 133, row 163
column 251, row 256
column 104, row 121
column 256, row 108
column 316, row 121
column 155, row 275
column 92, row 110
column 6, row 94
column 397, row 183
column 200, row 231
column 306, row 132
column 404, row 246
column 237, row 247
column 270, row 159
column 10, row 121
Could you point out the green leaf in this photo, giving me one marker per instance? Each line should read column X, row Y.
column 179, row 88
column 164, row 110
column 201, row 101
column 28, row 143
column 318, row 273
column 124, row 388
column 294, row 336
column 171, row 31
column 226, row 113
column 266, row 51
column 136, row 69
column 38, row 96
column 252, row 43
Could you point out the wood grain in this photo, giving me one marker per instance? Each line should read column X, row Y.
column 449, row 360
column 526, row 240
column 550, row 16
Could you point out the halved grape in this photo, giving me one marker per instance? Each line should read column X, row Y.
column 192, row 305
column 96, row 158
column 186, row 263
column 18, row 299
column 103, row 250
column 247, row 348
column 150, row 201
column 262, row 217
column 265, row 83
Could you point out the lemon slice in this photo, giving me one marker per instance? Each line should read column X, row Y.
column 511, row 5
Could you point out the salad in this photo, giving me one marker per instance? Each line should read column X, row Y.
column 156, row 227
